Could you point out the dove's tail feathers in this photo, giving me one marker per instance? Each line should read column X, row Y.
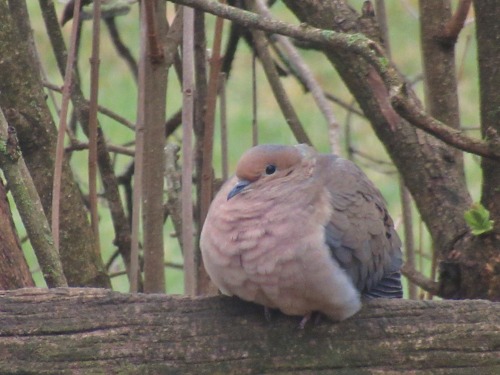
column 388, row 287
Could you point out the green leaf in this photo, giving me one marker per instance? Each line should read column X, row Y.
column 478, row 219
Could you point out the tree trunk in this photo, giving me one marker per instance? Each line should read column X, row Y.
column 21, row 90
column 66, row 330
column 14, row 272
column 486, row 249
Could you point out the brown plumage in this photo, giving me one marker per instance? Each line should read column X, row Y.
column 301, row 232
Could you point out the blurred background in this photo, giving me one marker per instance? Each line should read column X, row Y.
column 118, row 92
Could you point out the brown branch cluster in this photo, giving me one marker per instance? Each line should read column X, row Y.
column 404, row 105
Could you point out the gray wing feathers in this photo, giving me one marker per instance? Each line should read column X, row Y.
column 360, row 233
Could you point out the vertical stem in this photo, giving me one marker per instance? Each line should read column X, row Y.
column 307, row 78
column 255, row 127
column 382, row 23
column 139, row 158
column 154, row 105
column 190, row 271
column 94, row 95
column 68, row 76
column 223, row 125
column 409, row 243
column 208, row 134
column 261, row 46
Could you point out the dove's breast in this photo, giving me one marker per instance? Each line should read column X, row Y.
column 273, row 252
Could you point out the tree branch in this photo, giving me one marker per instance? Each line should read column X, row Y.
column 419, row 279
column 371, row 52
column 29, row 205
column 417, row 117
column 456, row 23
column 105, row 111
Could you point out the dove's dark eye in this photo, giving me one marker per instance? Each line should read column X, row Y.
column 270, row 169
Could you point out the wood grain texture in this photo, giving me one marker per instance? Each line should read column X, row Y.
column 73, row 330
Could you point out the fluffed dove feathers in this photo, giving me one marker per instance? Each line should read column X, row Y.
column 301, row 232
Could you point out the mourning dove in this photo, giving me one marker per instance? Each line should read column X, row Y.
column 301, row 232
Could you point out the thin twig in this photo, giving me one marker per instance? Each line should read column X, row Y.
column 306, row 77
column 255, row 123
column 409, row 243
column 78, row 146
column 173, row 123
column 190, row 271
column 223, row 125
column 347, row 106
column 173, row 185
column 68, row 78
column 121, row 48
column 457, row 21
column 94, row 95
column 134, row 270
column 260, row 43
column 419, row 279
column 105, row 111
column 461, row 65
column 454, row 137
column 176, row 266
column 208, row 134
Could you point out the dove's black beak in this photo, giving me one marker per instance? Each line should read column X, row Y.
column 238, row 188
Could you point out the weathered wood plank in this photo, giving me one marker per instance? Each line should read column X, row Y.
column 76, row 330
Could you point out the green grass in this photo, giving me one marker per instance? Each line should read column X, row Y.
column 118, row 92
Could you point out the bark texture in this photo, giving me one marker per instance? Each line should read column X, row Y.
column 485, row 250
column 98, row 331
column 438, row 59
column 21, row 90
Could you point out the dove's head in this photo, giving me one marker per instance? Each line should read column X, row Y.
column 264, row 164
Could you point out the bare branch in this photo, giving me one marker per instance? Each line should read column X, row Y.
column 206, row 183
column 456, row 23
column 68, row 78
column 419, row 279
column 121, row 48
column 105, row 111
column 190, row 271
column 77, row 146
column 454, row 137
column 223, row 125
column 369, row 50
column 306, row 77
column 260, row 43
column 174, row 189
column 94, row 95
